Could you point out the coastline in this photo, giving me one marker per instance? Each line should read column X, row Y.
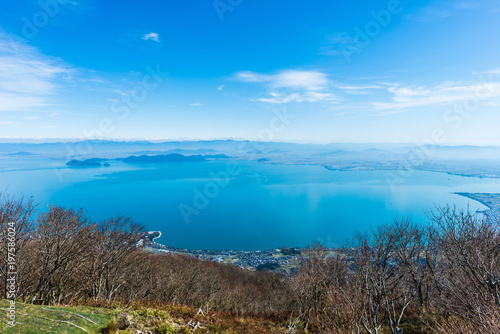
column 490, row 200
column 282, row 259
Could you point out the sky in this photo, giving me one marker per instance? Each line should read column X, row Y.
column 318, row 71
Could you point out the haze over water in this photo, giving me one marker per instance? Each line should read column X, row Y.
column 265, row 206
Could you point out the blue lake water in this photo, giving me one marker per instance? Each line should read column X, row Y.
column 262, row 206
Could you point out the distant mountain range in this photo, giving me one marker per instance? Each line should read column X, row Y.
column 461, row 160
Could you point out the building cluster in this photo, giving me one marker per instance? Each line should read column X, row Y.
column 276, row 259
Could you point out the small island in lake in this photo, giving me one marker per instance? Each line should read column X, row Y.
column 84, row 163
column 175, row 157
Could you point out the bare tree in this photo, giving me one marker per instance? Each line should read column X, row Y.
column 345, row 296
column 16, row 228
column 413, row 260
column 470, row 272
column 309, row 284
column 389, row 268
column 112, row 242
column 62, row 243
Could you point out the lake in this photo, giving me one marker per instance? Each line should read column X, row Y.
column 241, row 205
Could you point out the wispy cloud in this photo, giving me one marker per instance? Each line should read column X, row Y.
column 444, row 11
column 493, row 71
column 308, row 96
column 291, row 86
column 338, row 44
column 373, row 95
column 404, row 98
column 196, row 104
column 309, row 80
column 152, row 36
column 359, row 89
column 27, row 77
column 120, row 92
column 429, row 14
column 466, row 4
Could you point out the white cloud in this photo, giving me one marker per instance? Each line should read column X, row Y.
column 308, row 80
column 430, row 14
column 291, row 86
column 309, row 96
column 196, row 104
column 436, row 12
column 358, row 89
column 466, row 4
column 221, row 87
column 27, row 77
column 152, row 36
column 383, row 97
column 405, row 97
column 118, row 91
column 494, row 71
column 338, row 44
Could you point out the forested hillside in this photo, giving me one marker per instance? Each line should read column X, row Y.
column 442, row 276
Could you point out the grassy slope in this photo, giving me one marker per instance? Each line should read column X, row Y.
column 169, row 319
column 47, row 319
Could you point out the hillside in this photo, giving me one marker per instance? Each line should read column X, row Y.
column 49, row 319
column 419, row 279
column 163, row 319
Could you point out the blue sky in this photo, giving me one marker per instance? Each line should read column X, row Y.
column 345, row 71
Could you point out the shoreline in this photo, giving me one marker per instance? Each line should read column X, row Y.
column 489, row 200
column 281, row 259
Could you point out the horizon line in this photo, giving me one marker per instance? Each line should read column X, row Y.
column 66, row 140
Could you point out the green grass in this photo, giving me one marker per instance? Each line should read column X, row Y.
column 58, row 320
